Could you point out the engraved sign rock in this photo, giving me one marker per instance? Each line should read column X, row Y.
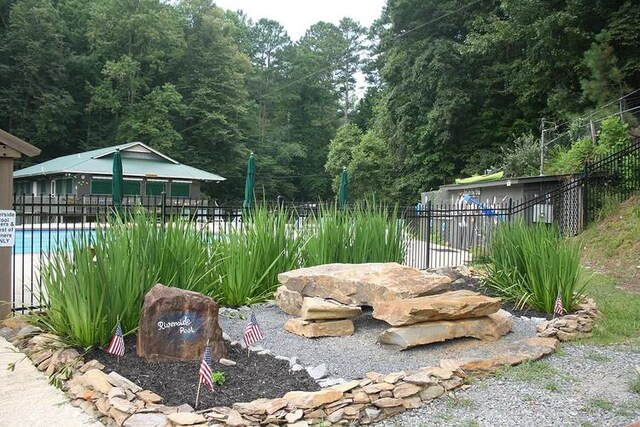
column 175, row 325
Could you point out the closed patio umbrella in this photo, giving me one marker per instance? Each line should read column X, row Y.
column 249, row 182
column 117, row 181
column 344, row 188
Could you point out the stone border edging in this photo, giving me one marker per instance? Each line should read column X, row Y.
column 116, row 401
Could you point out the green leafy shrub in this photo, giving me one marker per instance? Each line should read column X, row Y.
column 531, row 265
column 613, row 134
column 573, row 160
column 218, row 378
column 523, row 159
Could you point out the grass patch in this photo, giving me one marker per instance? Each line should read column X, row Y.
column 539, row 372
column 603, row 404
column 635, row 385
column 626, row 409
column 527, row 398
column 597, row 357
column 620, row 309
column 551, row 386
column 529, row 371
column 460, row 402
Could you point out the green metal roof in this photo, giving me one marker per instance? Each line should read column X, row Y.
column 138, row 160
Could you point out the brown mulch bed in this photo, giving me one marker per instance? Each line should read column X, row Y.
column 253, row 377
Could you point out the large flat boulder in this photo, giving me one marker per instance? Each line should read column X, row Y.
column 322, row 309
column 489, row 327
column 329, row 328
column 176, row 324
column 363, row 284
column 446, row 306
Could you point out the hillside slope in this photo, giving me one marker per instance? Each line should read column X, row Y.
column 612, row 245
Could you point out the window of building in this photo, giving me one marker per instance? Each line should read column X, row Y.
column 100, row 186
column 155, row 188
column 64, row 186
column 22, row 188
column 131, row 188
column 179, row 189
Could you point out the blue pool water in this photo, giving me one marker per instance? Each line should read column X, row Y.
column 38, row 241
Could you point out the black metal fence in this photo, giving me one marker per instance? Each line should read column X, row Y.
column 438, row 235
column 611, row 179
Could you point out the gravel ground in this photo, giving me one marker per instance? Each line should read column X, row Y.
column 581, row 385
column 352, row 357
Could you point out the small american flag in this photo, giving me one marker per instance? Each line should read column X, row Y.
column 252, row 333
column 116, row 345
column 205, row 369
column 558, row 309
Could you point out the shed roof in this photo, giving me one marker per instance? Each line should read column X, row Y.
column 17, row 144
column 508, row 182
column 138, row 160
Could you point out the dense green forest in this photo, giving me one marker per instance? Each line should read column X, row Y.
column 451, row 85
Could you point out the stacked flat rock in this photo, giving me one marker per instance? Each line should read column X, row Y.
column 438, row 318
column 323, row 318
column 325, row 298
column 420, row 306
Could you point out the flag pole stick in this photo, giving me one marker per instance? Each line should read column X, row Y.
column 117, row 323
column 198, row 392
column 200, row 381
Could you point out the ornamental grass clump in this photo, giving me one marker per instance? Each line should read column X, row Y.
column 359, row 234
column 252, row 256
column 96, row 283
column 532, row 265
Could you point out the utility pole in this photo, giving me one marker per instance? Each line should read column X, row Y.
column 542, row 132
column 542, row 147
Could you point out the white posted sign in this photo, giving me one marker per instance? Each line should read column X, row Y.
column 7, row 228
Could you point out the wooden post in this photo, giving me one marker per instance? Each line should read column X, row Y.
column 6, row 203
column 11, row 148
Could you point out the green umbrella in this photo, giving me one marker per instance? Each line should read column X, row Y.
column 249, row 183
column 344, row 188
column 117, row 181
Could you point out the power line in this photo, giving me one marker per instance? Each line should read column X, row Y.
column 568, row 133
column 280, row 176
column 623, row 97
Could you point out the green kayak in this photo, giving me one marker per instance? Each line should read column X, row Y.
column 480, row 178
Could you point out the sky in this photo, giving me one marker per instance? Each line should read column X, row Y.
column 296, row 16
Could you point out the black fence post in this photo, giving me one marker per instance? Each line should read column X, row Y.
column 163, row 206
column 585, row 197
column 510, row 210
column 428, row 234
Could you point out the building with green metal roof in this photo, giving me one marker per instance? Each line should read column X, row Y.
column 147, row 172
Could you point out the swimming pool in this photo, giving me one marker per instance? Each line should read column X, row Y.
column 34, row 241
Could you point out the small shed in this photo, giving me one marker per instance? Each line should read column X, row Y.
column 497, row 192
